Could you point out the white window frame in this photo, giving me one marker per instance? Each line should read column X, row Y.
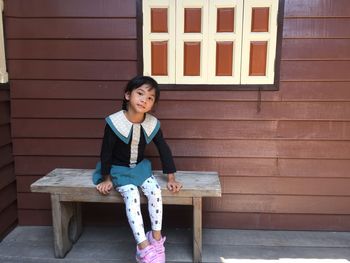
column 241, row 38
column 270, row 37
column 182, row 37
column 3, row 72
column 149, row 37
column 235, row 37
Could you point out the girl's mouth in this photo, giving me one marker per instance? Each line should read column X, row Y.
column 140, row 106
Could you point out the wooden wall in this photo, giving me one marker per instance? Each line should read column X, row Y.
column 8, row 206
column 285, row 167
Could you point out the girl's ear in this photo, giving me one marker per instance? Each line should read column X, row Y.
column 127, row 95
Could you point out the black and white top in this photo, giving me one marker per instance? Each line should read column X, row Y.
column 124, row 143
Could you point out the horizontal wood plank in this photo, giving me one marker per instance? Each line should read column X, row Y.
column 62, row 89
column 5, row 135
column 316, row 49
column 7, row 196
column 180, row 110
column 315, row 70
column 281, row 204
column 24, row 182
column 70, row 28
column 286, row 186
column 8, row 220
column 45, row 89
column 32, row 217
column 182, row 148
column 50, row 128
column 72, row 49
column 33, row 201
column 7, row 175
column 40, row 165
column 320, row 130
column 317, row 8
column 326, row 168
column 315, row 91
column 289, row 91
column 314, row 167
column 314, row 149
column 6, row 155
column 4, row 95
column 191, row 129
column 5, row 113
column 316, row 28
column 70, row 8
column 195, row 148
column 276, row 221
column 72, row 70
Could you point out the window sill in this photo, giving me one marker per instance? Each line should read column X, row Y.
column 199, row 87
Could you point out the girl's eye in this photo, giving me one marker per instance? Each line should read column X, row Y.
column 151, row 99
column 139, row 93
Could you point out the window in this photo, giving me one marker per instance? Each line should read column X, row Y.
column 3, row 73
column 210, row 41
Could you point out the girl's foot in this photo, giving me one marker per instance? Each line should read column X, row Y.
column 158, row 245
column 146, row 255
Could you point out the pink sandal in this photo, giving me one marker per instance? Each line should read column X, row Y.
column 158, row 245
column 146, row 255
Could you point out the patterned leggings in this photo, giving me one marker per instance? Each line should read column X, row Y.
column 131, row 196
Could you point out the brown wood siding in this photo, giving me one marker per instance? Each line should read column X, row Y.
column 8, row 207
column 285, row 167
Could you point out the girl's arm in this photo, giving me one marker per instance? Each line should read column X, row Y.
column 108, row 143
column 172, row 184
column 168, row 164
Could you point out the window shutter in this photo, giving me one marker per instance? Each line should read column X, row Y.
column 159, row 40
column 259, row 41
column 225, row 34
column 3, row 73
column 191, row 41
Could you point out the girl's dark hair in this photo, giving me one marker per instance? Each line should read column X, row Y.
column 137, row 82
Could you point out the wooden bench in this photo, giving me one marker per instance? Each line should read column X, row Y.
column 69, row 187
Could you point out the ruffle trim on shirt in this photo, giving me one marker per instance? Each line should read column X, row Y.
column 122, row 127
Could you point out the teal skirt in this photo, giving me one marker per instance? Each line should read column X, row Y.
column 122, row 175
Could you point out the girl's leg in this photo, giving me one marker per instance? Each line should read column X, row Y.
column 131, row 197
column 152, row 191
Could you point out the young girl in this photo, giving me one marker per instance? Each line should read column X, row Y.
column 123, row 166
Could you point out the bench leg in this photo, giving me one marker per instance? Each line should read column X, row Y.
column 197, row 229
column 75, row 226
column 66, row 221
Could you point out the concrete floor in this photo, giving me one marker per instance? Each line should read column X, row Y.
column 111, row 244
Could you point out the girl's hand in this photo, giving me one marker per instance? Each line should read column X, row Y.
column 172, row 184
column 105, row 187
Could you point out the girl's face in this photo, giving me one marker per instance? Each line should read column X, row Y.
column 141, row 100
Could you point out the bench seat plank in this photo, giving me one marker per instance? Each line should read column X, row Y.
column 79, row 181
column 70, row 187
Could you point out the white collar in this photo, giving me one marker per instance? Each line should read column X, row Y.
column 122, row 126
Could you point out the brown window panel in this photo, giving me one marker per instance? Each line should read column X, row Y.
column 192, row 61
column 159, row 55
column 159, row 20
column 257, row 60
column 260, row 19
column 225, row 20
column 193, row 20
column 224, row 51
